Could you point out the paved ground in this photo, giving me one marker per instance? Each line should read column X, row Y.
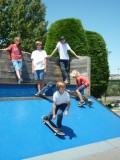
column 116, row 110
column 113, row 154
column 104, row 150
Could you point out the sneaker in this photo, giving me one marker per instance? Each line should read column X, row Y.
column 81, row 103
column 43, row 94
column 89, row 100
column 20, row 81
column 66, row 81
column 45, row 117
column 37, row 94
column 68, row 91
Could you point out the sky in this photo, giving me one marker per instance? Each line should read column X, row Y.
column 101, row 16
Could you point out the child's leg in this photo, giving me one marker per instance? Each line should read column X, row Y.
column 51, row 113
column 62, row 108
column 17, row 64
column 79, row 91
column 63, row 69
column 18, row 73
column 68, row 70
column 41, row 84
column 39, row 76
column 79, row 95
column 38, row 85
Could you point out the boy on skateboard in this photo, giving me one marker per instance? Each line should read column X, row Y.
column 82, row 83
column 61, row 102
column 39, row 65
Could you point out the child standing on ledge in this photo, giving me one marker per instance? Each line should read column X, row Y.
column 39, row 65
column 61, row 102
column 82, row 83
column 16, row 56
column 63, row 49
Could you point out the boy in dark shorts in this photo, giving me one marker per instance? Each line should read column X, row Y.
column 61, row 102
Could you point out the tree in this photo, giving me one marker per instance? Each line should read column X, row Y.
column 99, row 63
column 24, row 18
column 73, row 30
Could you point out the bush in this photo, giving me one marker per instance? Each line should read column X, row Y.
column 73, row 30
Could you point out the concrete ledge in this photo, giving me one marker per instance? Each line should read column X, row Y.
column 82, row 152
column 53, row 73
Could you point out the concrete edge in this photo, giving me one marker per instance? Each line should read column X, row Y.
column 82, row 151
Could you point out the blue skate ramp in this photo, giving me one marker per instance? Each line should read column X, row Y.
column 23, row 134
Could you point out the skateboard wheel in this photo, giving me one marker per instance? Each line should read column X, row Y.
column 43, row 122
column 55, row 134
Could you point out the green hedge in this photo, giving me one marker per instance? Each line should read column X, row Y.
column 84, row 43
column 73, row 30
column 99, row 63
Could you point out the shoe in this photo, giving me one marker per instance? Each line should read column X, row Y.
column 20, row 81
column 89, row 100
column 81, row 103
column 45, row 117
column 59, row 128
column 66, row 81
column 68, row 91
column 43, row 94
column 37, row 94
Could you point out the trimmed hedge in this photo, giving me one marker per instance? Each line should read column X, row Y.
column 84, row 43
column 73, row 30
column 99, row 63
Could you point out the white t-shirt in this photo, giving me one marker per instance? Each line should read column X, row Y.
column 62, row 49
column 61, row 98
column 38, row 56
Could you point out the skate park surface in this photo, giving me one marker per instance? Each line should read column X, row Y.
column 89, row 129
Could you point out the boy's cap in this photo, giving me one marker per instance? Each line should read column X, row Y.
column 62, row 38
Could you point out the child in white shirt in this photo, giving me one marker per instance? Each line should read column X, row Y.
column 61, row 102
column 39, row 65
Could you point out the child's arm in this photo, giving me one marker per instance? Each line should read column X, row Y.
column 32, row 66
column 53, row 52
column 54, row 109
column 67, row 109
column 74, row 54
column 23, row 52
column 4, row 49
column 45, row 64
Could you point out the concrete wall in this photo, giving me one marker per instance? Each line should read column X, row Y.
column 7, row 73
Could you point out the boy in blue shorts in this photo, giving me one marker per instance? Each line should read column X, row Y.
column 39, row 65
column 16, row 56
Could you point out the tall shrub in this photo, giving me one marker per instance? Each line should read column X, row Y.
column 73, row 30
column 24, row 18
column 99, row 63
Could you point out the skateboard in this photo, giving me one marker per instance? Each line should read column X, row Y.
column 45, row 89
column 87, row 101
column 53, row 127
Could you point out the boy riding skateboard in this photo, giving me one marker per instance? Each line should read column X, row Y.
column 61, row 102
